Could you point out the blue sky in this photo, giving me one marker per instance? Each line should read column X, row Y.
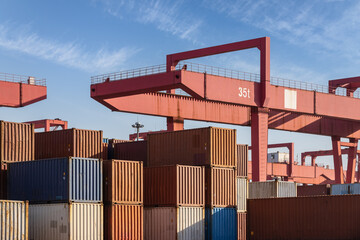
column 67, row 42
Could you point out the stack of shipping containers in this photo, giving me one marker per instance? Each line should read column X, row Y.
column 215, row 149
column 241, row 190
column 123, row 199
column 64, row 187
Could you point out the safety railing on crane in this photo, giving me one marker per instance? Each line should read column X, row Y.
column 8, row 77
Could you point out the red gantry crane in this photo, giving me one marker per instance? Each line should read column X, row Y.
column 233, row 97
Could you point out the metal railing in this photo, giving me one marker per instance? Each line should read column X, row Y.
column 8, row 77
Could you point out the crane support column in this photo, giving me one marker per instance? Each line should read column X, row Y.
column 259, row 143
column 350, row 173
column 339, row 173
column 175, row 124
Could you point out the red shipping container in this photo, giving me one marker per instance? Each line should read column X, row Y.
column 314, row 190
column 123, row 181
column 136, row 151
column 68, row 143
column 241, row 226
column 220, row 187
column 176, row 185
column 123, row 222
column 242, row 152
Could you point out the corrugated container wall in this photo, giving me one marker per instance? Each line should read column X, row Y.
column 242, row 153
column 271, row 189
column 136, row 151
column 105, row 150
column 182, row 223
column 57, row 179
column 204, row 146
column 66, row 221
column 68, row 143
column 241, row 226
column 220, row 223
column 177, row 185
column 220, row 187
column 16, row 142
column 14, row 220
column 241, row 192
column 321, row 217
column 123, row 222
column 123, row 182
column 342, row 189
column 314, row 190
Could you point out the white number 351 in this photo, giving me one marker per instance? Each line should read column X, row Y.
column 244, row 92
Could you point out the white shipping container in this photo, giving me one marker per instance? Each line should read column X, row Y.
column 272, row 189
column 66, row 221
column 181, row 223
column 278, row 157
column 14, row 220
column 242, row 193
column 343, row 189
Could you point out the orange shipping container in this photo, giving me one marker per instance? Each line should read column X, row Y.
column 123, row 181
column 123, row 222
column 220, row 187
column 177, row 185
column 242, row 160
column 136, row 151
column 68, row 143
column 16, row 142
column 203, row 146
column 241, row 226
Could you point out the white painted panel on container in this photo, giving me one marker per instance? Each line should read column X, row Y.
column 191, row 223
column 286, row 189
column 14, row 220
column 343, row 189
column 290, row 100
column 241, row 192
column 86, row 221
column 160, row 223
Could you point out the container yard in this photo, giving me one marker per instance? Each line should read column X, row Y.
column 185, row 184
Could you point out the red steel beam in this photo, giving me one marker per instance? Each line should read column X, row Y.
column 48, row 123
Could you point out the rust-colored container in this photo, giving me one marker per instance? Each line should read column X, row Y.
column 241, row 226
column 242, row 159
column 105, row 150
column 314, row 190
column 136, row 151
column 123, row 181
column 16, row 142
column 204, row 146
column 68, row 143
column 321, row 217
column 174, row 186
column 220, row 187
column 124, row 222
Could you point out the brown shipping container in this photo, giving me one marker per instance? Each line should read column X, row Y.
column 136, row 151
column 242, row 159
column 321, row 217
column 123, row 181
column 3, row 184
column 105, row 150
column 17, row 142
column 314, row 190
column 220, row 187
column 241, row 226
column 177, row 185
column 203, row 146
column 124, row 222
column 68, row 143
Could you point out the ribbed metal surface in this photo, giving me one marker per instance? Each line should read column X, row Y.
column 220, row 187
column 314, row 190
column 14, row 220
column 123, row 181
column 105, row 150
column 204, row 146
column 123, row 222
column 241, row 192
column 58, row 179
column 220, row 223
column 271, row 189
column 321, row 217
column 136, row 151
column 182, row 223
column 177, row 185
column 16, row 142
column 242, row 160
column 342, row 189
column 241, row 226
column 68, row 143
column 62, row 221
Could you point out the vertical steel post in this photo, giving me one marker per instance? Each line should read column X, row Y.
column 339, row 172
column 350, row 173
column 175, row 124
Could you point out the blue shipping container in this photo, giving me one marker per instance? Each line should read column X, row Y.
column 56, row 180
column 220, row 224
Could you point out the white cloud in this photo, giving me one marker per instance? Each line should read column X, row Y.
column 69, row 54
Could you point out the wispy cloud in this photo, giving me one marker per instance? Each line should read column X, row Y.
column 165, row 15
column 70, row 54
